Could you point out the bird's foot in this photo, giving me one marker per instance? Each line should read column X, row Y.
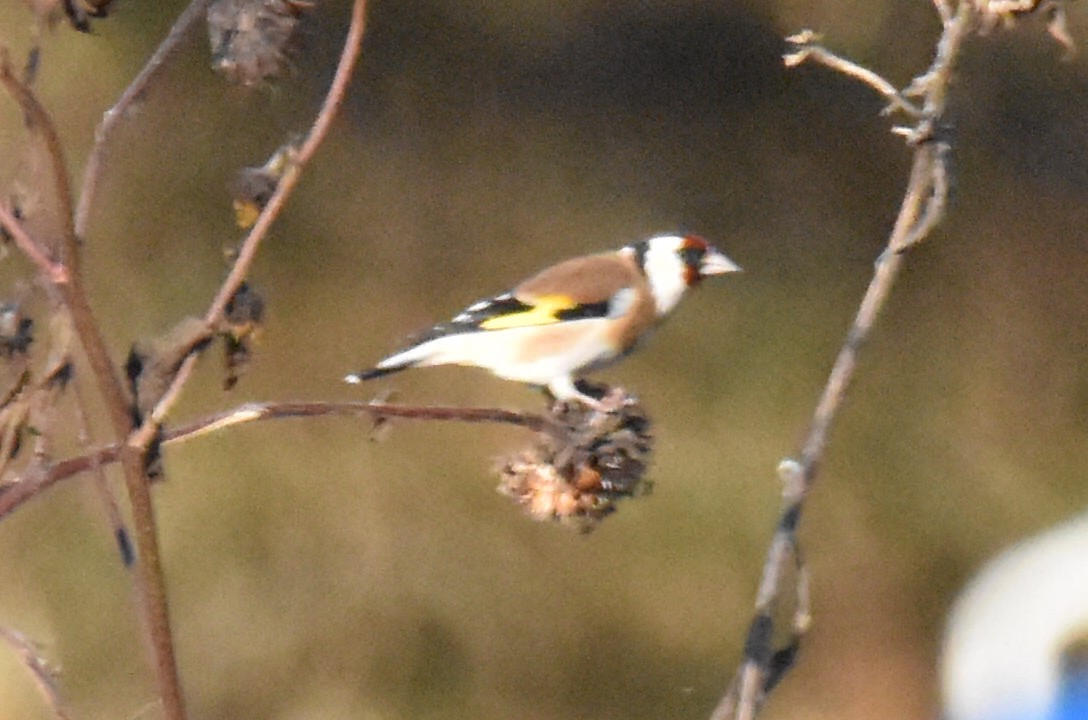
column 613, row 401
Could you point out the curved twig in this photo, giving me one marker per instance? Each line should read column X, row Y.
column 19, row 491
column 55, row 272
column 248, row 251
column 39, row 669
column 922, row 208
column 104, row 132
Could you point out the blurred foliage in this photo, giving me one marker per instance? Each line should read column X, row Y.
column 316, row 574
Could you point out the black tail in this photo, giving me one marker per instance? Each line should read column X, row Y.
column 375, row 372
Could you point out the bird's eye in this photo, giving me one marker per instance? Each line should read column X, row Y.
column 692, row 256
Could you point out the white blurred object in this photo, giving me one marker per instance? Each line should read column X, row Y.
column 1017, row 641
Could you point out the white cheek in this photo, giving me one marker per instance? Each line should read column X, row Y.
column 665, row 271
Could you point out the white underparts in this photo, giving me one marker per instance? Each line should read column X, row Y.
column 508, row 352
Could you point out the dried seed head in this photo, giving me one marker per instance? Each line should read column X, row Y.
column 242, row 322
column 994, row 12
column 15, row 331
column 577, row 471
column 78, row 12
column 251, row 39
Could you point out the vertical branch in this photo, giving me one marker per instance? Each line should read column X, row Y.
column 286, row 185
column 923, row 206
column 149, row 577
column 116, row 521
column 38, row 122
column 137, row 88
column 353, row 45
column 64, row 271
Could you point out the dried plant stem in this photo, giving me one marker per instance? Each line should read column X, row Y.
column 53, row 271
column 17, row 492
column 65, row 274
column 251, row 412
column 150, row 584
column 38, row 667
column 38, row 121
column 318, row 132
column 808, row 51
column 121, row 534
column 248, row 251
column 922, row 208
column 103, row 133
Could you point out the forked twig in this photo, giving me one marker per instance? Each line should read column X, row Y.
column 806, row 48
column 922, row 208
column 149, row 581
column 20, row 490
column 103, row 134
column 54, row 271
column 286, row 185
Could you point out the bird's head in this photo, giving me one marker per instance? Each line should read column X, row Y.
column 674, row 263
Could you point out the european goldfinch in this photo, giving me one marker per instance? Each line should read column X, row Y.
column 572, row 317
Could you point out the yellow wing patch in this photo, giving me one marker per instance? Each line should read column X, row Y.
column 544, row 311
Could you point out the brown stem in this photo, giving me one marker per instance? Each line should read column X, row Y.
column 39, row 121
column 54, row 271
column 38, row 667
column 248, row 251
column 923, row 206
column 150, row 583
column 318, row 132
column 116, row 521
column 19, row 491
column 137, row 88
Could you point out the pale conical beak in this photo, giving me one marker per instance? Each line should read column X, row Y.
column 716, row 263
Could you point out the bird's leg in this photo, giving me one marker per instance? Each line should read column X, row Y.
column 565, row 388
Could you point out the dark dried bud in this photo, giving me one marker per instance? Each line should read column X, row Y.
column 253, row 186
column 15, row 337
column 576, row 472
column 80, row 12
column 1005, row 12
column 250, row 39
column 242, row 322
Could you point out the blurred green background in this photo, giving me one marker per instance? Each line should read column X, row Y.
column 315, row 574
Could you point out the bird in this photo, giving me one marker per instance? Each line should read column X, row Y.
column 1016, row 647
column 578, row 315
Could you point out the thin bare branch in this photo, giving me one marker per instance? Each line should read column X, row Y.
column 922, row 208
column 39, row 669
column 149, row 579
column 39, row 121
column 805, row 47
column 248, row 251
column 936, row 202
column 19, row 490
column 55, row 272
column 318, row 132
column 121, row 534
column 103, row 134
column 251, row 412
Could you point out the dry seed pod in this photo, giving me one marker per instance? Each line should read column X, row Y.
column 241, row 324
column 251, row 39
column 1005, row 12
column 253, row 187
column 578, row 471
